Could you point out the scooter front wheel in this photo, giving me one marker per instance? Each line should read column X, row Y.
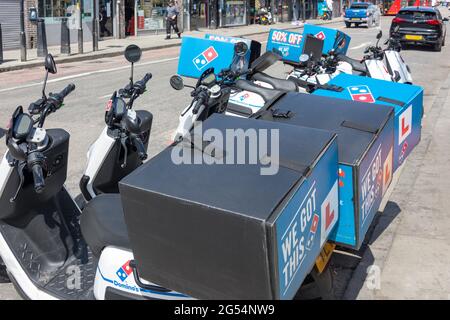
column 3, row 273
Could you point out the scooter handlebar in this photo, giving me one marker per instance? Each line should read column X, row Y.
column 139, row 145
column 35, row 161
column 141, row 84
column 38, row 177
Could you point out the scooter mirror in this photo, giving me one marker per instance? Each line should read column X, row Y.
column 176, row 82
column 379, row 35
column 304, row 58
column 50, row 64
column 133, row 53
column 240, row 49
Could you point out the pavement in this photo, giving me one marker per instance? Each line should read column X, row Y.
column 115, row 47
column 405, row 254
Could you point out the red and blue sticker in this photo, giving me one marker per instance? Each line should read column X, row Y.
column 361, row 93
column 205, row 58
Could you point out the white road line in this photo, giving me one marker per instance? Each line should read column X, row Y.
column 362, row 45
column 80, row 75
column 105, row 96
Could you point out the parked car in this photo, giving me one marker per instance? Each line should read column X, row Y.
column 419, row 25
column 362, row 13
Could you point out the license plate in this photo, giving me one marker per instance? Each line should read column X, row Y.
column 413, row 37
column 356, row 19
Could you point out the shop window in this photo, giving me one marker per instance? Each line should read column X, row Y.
column 151, row 14
column 234, row 12
column 53, row 10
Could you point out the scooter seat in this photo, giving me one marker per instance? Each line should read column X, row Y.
column 103, row 224
column 279, row 84
column 357, row 65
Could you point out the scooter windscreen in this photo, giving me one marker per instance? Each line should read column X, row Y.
column 265, row 61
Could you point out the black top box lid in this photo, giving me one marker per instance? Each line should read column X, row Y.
column 236, row 188
column 204, row 230
column 356, row 123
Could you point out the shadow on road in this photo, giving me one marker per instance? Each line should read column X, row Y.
column 355, row 265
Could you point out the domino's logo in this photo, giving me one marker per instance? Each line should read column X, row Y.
column 124, row 271
column 312, row 232
column 320, row 35
column 361, row 93
column 329, row 211
column 205, row 58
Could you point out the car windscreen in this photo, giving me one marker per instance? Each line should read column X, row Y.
column 416, row 15
column 359, row 6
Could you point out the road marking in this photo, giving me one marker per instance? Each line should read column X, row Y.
column 105, row 96
column 85, row 74
column 362, row 45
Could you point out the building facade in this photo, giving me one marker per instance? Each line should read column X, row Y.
column 122, row 18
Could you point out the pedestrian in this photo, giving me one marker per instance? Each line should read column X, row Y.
column 103, row 20
column 171, row 20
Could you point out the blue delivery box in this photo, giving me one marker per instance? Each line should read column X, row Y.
column 197, row 55
column 290, row 43
column 214, row 227
column 406, row 99
column 365, row 141
column 332, row 38
column 254, row 46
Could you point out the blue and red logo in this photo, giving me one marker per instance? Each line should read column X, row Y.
column 244, row 96
column 205, row 58
column 124, row 271
column 361, row 93
column 320, row 35
column 312, row 232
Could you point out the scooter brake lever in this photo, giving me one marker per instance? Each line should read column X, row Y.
column 20, row 168
column 125, row 153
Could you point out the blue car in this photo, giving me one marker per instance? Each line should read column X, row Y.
column 362, row 13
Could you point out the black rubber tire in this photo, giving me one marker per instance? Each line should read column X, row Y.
column 348, row 25
column 3, row 273
column 80, row 201
column 317, row 286
column 437, row 47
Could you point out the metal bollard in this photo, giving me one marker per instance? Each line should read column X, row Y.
column 65, row 37
column 1, row 45
column 41, row 39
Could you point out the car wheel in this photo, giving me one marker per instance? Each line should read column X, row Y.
column 348, row 24
column 438, row 47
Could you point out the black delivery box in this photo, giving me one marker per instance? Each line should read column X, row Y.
column 365, row 138
column 215, row 225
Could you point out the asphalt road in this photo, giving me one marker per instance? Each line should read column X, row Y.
column 83, row 113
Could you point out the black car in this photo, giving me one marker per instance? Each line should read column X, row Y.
column 419, row 25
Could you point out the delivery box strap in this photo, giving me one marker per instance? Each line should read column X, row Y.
column 389, row 100
column 278, row 113
column 359, row 126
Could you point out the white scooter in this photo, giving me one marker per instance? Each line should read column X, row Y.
column 210, row 95
column 395, row 63
column 50, row 248
column 122, row 145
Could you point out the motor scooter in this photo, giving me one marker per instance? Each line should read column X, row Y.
column 121, row 146
column 52, row 249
